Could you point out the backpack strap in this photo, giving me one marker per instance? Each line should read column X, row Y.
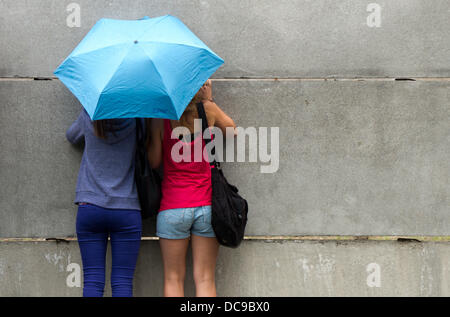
column 205, row 126
column 140, row 134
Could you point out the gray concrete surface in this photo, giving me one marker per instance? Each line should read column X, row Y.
column 356, row 157
column 257, row 268
column 256, row 38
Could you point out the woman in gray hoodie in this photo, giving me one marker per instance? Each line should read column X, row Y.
column 108, row 204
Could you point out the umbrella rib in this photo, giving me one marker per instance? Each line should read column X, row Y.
column 122, row 42
column 159, row 74
column 168, row 43
column 171, row 43
column 162, row 79
column 98, row 49
column 152, row 26
column 109, row 80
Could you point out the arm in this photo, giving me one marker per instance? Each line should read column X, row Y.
column 215, row 115
column 155, row 143
column 75, row 133
column 219, row 118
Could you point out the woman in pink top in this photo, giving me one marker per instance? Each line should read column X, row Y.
column 185, row 212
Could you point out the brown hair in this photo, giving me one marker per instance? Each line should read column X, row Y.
column 101, row 127
column 190, row 113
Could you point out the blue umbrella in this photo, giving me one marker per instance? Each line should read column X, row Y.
column 138, row 68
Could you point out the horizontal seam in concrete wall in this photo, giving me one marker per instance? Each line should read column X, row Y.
column 275, row 79
column 273, row 238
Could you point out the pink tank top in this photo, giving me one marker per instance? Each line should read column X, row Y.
column 185, row 184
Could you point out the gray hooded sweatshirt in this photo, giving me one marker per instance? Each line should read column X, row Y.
column 106, row 176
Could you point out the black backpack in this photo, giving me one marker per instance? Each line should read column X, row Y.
column 229, row 209
column 148, row 181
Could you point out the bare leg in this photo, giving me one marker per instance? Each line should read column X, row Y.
column 204, row 253
column 174, row 257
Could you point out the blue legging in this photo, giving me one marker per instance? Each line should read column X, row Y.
column 94, row 225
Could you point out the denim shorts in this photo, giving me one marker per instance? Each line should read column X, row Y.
column 180, row 223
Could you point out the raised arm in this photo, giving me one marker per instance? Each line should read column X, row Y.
column 218, row 117
column 215, row 115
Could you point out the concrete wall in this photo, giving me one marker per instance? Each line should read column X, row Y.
column 356, row 157
column 257, row 268
column 256, row 38
column 361, row 154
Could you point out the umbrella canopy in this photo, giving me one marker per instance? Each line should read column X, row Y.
column 138, row 68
